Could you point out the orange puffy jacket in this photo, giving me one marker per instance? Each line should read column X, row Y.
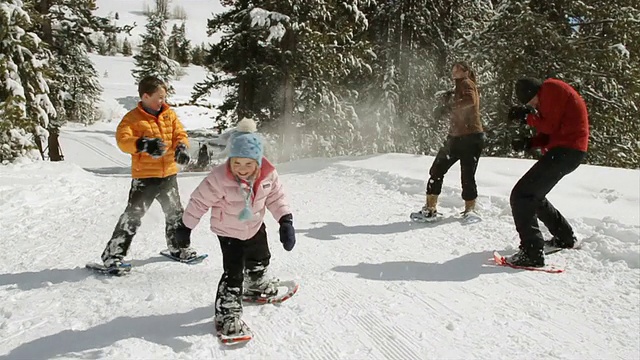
column 138, row 123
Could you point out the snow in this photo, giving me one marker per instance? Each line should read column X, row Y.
column 624, row 52
column 13, row 84
column 263, row 18
column 131, row 11
column 120, row 91
column 373, row 284
column 360, row 17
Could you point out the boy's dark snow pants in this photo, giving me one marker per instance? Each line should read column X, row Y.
column 143, row 192
column 529, row 203
column 467, row 149
column 238, row 256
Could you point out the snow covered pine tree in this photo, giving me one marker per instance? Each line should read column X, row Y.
column 25, row 107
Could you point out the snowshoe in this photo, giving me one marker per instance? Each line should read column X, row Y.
column 118, row 269
column 191, row 257
column 470, row 217
column 555, row 245
column 521, row 258
column 233, row 331
column 504, row 261
column 425, row 216
column 277, row 292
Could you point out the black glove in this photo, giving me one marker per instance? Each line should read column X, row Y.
column 520, row 113
column 447, row 97
column 522, row 144
column 287, row 233
column 154, row 147
column 181, row 155
column 441, row 111
column 183, row 235
column 444, row 109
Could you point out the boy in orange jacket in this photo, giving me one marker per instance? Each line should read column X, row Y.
column 156, row 140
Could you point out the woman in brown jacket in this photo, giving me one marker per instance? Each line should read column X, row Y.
column 464, row 142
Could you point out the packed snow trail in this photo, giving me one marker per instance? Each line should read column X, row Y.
column 76, row 146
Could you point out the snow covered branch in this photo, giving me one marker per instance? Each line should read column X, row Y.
column 271, row 20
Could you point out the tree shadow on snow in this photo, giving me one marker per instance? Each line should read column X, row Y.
column 160, row 329
column 125, row 172
column 330, row 230
column 128, row 102
column 115, row 170
column 38, row 279
column 151, row 260
column 463, row 268
column 110, row 133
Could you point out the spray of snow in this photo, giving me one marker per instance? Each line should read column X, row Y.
column 624, row 52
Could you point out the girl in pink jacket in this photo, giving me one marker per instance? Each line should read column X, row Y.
column 238, row 193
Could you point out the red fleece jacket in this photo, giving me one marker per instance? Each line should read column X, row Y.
column 562, row 119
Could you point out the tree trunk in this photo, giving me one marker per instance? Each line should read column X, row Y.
column 47, row 33
column 162, row 7
column 404, row 47
column 246, row 84
column 287, row 46
column 38, row 141
column 245, row 97
column 55, row 153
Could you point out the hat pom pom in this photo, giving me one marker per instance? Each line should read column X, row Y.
column 246, row 125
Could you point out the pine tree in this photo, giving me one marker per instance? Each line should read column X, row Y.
column 153, row 58
column 79, row 82
column 112, row 45
column 103, row 47
column 77, row 78
column 415, row 43
column 25, row 107
column 583, row 43
column 66, row 27
column 126, row 47
column 293, row 47
column 179, row 46
column 172, row 43
column 606, row 72
column 184, row 47
column 162, row 7
column 198, row 55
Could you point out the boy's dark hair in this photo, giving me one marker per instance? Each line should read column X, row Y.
column 150, row 84
column 527, row 89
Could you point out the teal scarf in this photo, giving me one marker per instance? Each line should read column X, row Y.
column 246, row 213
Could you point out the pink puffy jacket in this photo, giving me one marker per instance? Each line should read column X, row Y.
column 221, row 193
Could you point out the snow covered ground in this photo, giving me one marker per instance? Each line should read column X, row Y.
column 120, row 91
column 373, row 284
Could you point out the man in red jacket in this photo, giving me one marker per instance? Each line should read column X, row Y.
column 559, row 115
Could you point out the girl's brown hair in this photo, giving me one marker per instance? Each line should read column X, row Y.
column 466, row 67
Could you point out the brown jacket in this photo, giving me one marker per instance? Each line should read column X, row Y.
column 166, row 126
column 464, row 118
